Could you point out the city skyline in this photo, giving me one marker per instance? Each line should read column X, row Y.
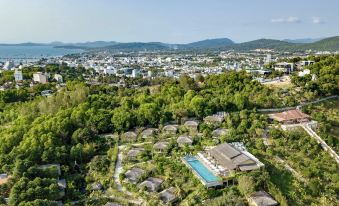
column 169, row 22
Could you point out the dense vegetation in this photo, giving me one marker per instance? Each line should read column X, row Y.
column 66, row 129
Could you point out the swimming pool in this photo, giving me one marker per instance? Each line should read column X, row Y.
column 200, row 169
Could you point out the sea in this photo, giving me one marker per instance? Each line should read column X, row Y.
column 32, row 53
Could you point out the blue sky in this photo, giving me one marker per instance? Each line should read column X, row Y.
column 172, row 21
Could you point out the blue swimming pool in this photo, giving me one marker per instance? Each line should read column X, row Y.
column 200, row 169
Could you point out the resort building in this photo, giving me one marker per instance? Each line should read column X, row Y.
column 129, row 136
column 230, row 158
column 217, row 166
column 261, row 198
column 170, row 129
column 160, row 146
column 290, row 117
column 152, row 184
column 168, row 196
column 184, row 140
column 192, row 125
column 134, row 174
column 134, row 152
column 214, row 119
column 148, row 133
column 219, row 132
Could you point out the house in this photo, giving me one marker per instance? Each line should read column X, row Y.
column 284, row 67
column 40, row 78
column 192, row 125
column 170, row 129
column 134, row 152
column 96, row 186
column 168, row 196
column 219, row 132
column 18, row 75
column 129, row 136
column 214, row 119
column 231, row 157
column 261, row 198
column 151, row 184
column 62, row 187
column 58, row 78
column 160, row 146
column 133, row 175
column 184, row 140
column 51, row 166
column 149, row 132
column 112, row 204
column 3, row 178
column 290, row 117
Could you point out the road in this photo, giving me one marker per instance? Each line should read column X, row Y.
column 323, row 144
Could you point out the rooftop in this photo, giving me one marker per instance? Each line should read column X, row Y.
column 262, row 198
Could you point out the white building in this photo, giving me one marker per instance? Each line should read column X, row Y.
column 284, row 67
column 268, row 59
column 58, row 78
column 9, row 65
column 18, row 75
column 303, row 73
column 40, row 78
column 109, row 70
column 135, row 73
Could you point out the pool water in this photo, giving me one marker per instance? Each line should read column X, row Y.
column 203, row 171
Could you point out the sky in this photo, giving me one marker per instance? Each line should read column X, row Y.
column 170, row 21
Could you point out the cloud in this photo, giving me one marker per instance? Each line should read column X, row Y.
column 290, row 19
column 317, row 20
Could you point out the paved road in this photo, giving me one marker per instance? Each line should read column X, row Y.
column 323, row 144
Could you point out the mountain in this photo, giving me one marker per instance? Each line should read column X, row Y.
column 260, row 44
column 327, row 44
column 303, row 40
column 209, row 43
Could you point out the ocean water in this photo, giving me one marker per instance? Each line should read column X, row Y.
column 31, row 53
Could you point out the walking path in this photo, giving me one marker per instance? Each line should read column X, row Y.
column 117, row 172
column 289, row 168
column 297, row 107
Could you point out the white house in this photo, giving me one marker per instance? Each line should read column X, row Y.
column 18, row 75
column 40, row 78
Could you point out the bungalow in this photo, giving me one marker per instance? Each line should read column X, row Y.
column 214, row 119
column 96, row 186
column 160, row 146
column 133, row 175
column 150, row 132
column 62, row 186
column 112, row 204
column 290, row 117
column 129, row 136
column 170, row 129
column 51, row 166
column 184, row 140
column 3, row 178
column 168, row 196
column 134, row 152
column 261, row 198
column 192, row 125
column 152, row 184
column 219, row 132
